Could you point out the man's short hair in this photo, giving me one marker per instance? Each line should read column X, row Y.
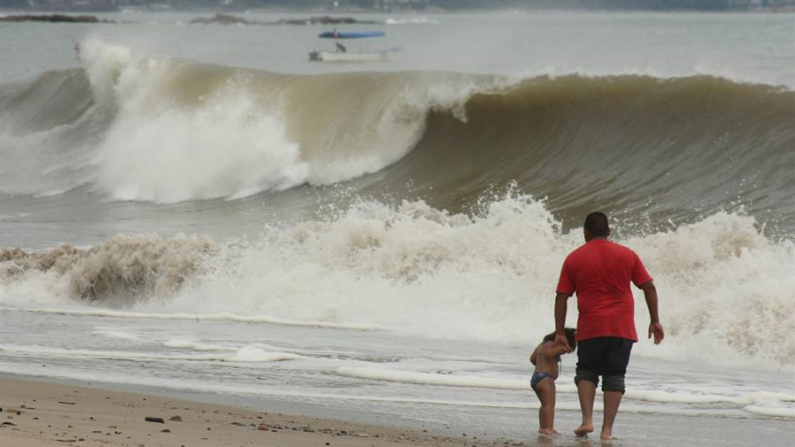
column 596, row 224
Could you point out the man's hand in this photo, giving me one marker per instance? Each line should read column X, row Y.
column 656, row 330
column 560, row 321
column 560, row 340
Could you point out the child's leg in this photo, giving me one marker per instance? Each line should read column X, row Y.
column 545, row 390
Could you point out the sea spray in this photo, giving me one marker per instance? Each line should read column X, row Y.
column 725, row 288
column 724, row 285
column 118, row 272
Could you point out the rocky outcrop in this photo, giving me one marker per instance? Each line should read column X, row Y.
column 54, row 18
column 226, row 19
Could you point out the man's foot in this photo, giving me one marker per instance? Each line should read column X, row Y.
column 583, row 429
column 607, row 435
column 551, row 432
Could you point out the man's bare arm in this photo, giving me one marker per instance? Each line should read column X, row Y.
column 655, row 327
column 561, row 307
column 553, row 350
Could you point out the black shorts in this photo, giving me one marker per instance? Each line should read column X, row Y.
column 604, row 356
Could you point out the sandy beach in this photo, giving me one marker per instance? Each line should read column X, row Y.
column 36, row 413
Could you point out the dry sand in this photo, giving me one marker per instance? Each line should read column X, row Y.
column 36, row 413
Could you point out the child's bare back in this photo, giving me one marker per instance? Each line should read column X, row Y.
column 546, row 358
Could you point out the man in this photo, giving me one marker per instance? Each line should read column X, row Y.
column 600, row 272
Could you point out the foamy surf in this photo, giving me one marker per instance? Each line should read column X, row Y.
column 422, row 378
column 224, row 316
column 243, row 354
column 416, row 270
column 640, row 402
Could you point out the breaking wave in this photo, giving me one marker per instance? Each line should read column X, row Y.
column 725, row 287
column 694, row 170
column 168, row 130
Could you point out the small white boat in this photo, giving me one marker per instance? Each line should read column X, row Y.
column 342, row 54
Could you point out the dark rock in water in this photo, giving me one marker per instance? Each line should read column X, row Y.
column 222, row 19
column 324, row 20
column 226, row 19
column 54, row 18
column 154, row 419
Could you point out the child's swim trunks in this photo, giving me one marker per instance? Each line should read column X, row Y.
column 537, row 377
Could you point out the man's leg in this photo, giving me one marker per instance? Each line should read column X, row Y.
column 586, row 390
column 612, row 399
column 587, row 379
column 613, row 382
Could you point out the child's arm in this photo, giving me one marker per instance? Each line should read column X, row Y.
column 551, row 350
column 534, row 356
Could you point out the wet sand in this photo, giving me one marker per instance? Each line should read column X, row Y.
column 36, row 413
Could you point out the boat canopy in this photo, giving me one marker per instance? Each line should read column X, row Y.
column 350, row 35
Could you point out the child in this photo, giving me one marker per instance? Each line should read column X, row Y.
column 545, row 358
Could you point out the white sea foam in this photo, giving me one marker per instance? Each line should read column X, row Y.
column 161, row 150
column 224, row 316
column 121, row 335
column 187, row 344
column 723, row 285
column 633, row 394
column 433, row 379
column 247, row 354
column 529, row 404
column 771, row 411
column 412, row 21
column 726, row 290
column 679, row 397
column 253, row 354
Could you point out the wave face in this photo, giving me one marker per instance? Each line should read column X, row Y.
column 637, row 146
column 164, row 131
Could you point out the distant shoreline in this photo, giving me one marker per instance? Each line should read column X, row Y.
column 356, row 11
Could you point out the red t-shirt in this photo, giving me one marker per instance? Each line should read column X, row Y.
column 600, row 272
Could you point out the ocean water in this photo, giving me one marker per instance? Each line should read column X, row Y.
column 200, row 209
